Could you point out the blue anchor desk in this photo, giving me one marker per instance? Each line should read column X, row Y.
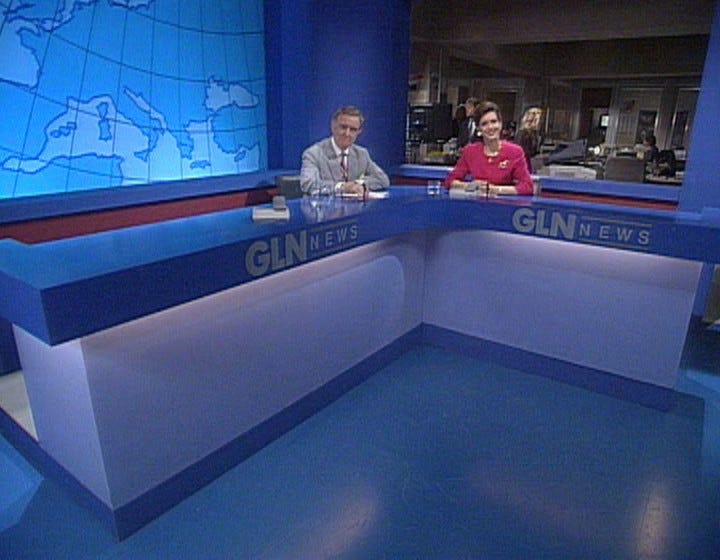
column 158, row 356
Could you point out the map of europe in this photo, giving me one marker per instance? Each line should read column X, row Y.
column 109, row 93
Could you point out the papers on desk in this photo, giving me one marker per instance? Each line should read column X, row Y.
column 278, row 212
column 456, row 192
column 370, row 195
column 663, row 180
column 270, row 214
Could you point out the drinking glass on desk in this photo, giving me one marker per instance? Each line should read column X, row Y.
column 314, row 190
column 433, row 187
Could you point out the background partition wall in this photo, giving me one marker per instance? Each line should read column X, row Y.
column 323, row 54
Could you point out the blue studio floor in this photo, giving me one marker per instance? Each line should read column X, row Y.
column 437, row 456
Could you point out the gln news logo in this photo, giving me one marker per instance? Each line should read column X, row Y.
column 283, row 251
column 570, row 226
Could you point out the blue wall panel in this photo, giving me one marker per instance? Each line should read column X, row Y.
column 324, row 54
column 701, row 185
column 287, row 48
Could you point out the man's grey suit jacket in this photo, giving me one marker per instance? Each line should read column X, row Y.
column 321, row 168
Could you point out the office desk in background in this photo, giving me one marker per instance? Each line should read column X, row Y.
column 662, row 180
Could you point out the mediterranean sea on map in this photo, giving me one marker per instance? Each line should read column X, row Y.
column 109, row 93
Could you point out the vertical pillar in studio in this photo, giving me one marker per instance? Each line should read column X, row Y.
column 323, row 54
column 287, row 47
column 361, row 56
column 700, row 191
column 701, row 184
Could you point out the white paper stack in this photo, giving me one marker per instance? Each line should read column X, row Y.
column 463, row 193
column 270, row 214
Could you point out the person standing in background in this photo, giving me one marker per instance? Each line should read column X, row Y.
column 528, row 135
column 458, row 120
column 467, row 134
column 509, row 131
column 650, row 149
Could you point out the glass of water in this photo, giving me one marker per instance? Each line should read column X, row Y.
column 433, row 187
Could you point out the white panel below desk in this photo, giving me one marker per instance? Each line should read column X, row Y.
column 127, row 408
column 617, row 311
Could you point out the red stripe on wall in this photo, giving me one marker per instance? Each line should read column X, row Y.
column 61, row 227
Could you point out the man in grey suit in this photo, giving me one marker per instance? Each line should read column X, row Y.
column 336, row 166
column 468, row 130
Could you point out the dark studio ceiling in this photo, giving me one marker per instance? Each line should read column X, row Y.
column 562, row 39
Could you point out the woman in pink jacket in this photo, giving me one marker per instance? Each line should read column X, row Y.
column 493, row 167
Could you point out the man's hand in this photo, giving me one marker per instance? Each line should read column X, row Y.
column 353, row 189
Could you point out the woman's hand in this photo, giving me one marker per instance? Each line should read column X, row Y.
column 480, row 187
column 483, row 188
column 500, row 190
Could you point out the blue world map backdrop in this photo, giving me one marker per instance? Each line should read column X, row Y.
column 109, row 93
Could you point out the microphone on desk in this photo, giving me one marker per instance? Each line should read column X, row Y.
column 279, row 203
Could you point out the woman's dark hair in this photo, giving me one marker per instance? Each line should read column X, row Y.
column 487, row 107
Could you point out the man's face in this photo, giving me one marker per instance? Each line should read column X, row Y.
column 345, row 130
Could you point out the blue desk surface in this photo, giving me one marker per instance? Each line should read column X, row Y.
column 64, row 289
column 639, row 191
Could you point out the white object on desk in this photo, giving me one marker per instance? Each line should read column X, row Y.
column 368, row 195
column 278, row 212
column 459, row 192
column 570, row 171
column 270, row 215
column 434, row 187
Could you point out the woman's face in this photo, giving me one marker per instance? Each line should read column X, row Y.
column 532, row 119
column 490, row 126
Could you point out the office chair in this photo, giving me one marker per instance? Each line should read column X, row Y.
column 289, row 186
column 624, row 169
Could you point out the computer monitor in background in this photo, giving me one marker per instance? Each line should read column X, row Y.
column 569, row 152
